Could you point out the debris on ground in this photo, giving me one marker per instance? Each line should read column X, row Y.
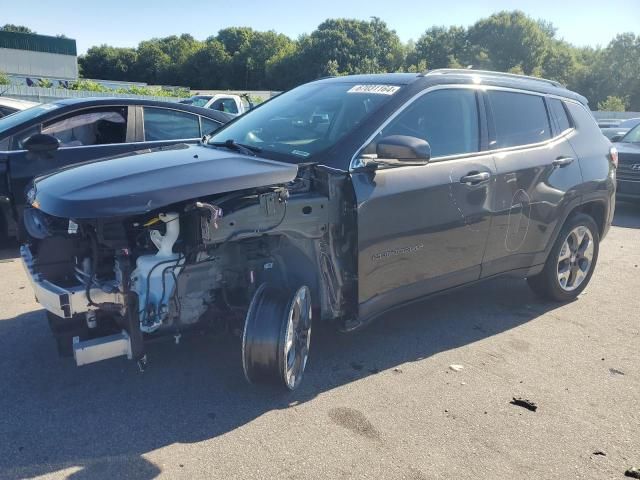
column 615, row 371
column 600, row 453
column 397, row 370
column 524, row 403
column 456, row 368
column 632, row 473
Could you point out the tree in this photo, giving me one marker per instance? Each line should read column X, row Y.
column 208, row 66
column 9, row 27
column 109, row 63
column 442, row 47
column 510, row 39
column 152, row 62
column 243, row 58
column 612, row 104
column 350, row 47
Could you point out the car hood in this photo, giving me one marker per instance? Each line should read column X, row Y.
column 146, row 180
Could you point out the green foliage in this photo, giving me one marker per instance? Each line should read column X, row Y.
column 91, row 86
column 612, row 104
column 243, row 58
column 9, row 27
column 4, row 79
column 45, row 83
column 88, row 86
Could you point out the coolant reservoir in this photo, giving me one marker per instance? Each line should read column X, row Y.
column 154, row 277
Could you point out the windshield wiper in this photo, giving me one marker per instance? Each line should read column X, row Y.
column 238, row 147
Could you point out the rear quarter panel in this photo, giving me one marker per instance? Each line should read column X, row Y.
column 592, row 149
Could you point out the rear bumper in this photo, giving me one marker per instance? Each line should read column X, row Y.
column 64, row 302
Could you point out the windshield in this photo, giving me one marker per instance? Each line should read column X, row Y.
column 306, row 120
column 632, row 136
column 18, row 118
column 197, row 101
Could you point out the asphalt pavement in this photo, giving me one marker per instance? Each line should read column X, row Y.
column 384, row 403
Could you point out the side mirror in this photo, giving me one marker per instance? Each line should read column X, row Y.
column 41, row 143
column 616, row 138
column 402, row 150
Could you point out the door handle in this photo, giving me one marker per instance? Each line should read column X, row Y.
column 475, row 178
column 562, row 161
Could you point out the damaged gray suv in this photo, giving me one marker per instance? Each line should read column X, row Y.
column 338, row 201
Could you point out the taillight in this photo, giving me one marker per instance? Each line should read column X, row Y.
column 613, row 156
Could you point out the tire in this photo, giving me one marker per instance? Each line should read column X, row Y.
column 64, row 329
column 571, row 262
column 276, row 337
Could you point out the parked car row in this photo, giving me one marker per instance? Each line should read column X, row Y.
column 616, row 132
column 338, row 201
column 13, row 105
column 51, row 136
column 227, row 103
column 628, row 173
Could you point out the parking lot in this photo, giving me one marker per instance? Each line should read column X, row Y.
column 383, row 403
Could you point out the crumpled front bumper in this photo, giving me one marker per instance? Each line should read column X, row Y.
column 64, row 302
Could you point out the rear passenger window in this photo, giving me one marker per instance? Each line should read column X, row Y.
column 447, row 119
column 519, row 119
column 560, row 114
column 165, row 124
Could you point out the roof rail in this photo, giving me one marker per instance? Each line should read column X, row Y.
column 490, row 73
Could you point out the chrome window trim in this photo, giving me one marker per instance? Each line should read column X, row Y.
column 140, row 144
column 354, row 164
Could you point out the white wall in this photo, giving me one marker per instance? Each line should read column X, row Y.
column 38, row 64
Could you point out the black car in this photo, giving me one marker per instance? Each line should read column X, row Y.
column 628, row 175
column 338, row 200
column 85, row 129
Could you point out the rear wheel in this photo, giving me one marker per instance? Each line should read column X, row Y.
column 571, row 262
column 277, row 335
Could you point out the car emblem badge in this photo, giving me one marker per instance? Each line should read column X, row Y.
column 636, row 167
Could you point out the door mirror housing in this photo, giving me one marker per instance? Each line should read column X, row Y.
column 41, row 143
column 402, row 150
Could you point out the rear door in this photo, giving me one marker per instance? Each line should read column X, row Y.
column 424, row 228
column 537, row 174
column 86, row 134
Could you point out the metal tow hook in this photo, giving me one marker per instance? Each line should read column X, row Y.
column 142, row 364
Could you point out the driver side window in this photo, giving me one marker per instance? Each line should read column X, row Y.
column 90, row 127
column 447, row 119
column 101, row 126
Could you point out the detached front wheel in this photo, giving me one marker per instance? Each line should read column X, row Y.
column 571, row 262
column 277, row 335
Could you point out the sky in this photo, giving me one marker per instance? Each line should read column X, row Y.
column 124, row 23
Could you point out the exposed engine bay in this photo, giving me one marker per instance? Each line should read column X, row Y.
column 195, row 264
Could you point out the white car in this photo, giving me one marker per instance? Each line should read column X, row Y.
column 13, row 105
column 227, row 103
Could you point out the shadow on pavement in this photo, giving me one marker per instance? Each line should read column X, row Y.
column 8, row 250
column 627, row 215
column 104, row 417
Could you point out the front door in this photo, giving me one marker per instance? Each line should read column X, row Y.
column 422, row 229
